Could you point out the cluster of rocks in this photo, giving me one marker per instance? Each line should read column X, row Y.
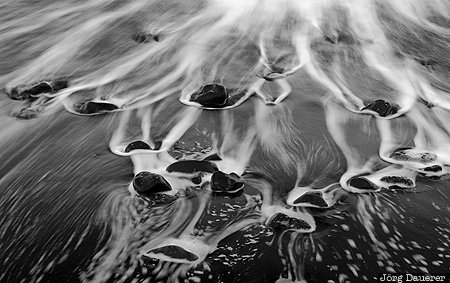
column 381, row 108
column 147, row 183
column 34, row 96
column 95, row 107
column 33, row 91
column 216, row 96
column 428, row 164
column 255, row 241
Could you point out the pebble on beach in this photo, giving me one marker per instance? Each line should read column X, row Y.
column 146, row 183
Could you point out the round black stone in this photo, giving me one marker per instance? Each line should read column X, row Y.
column 434, row 168
column 226, row 183
column 147, row 183
column 314, row 198
column 211, row 95
column 137, row 145
column 362, row 184
column 92, row 107
column 197, row 180
column 27, row 92
column 192, row 166
column 382, row 107
column 42, row 87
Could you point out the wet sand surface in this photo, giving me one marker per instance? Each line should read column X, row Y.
column 199, row 142
column 61, row 182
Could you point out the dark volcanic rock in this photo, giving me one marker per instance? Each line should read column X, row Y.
column 26, row 92
column 226, row 183
column 434, row 168
column 216, row 96
column 399, row 180
column 422, row 157
column 95, row 107
column 174, row 252
column 192, row 166
column 147, row 183
column 211, row 95
column 33, row 90
column 362, row 184
column 314, row 198
column 382, row 107
column 137, row 145
column 281, row 222
column 197, row 180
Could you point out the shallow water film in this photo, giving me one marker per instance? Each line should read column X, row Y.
column 224, row 140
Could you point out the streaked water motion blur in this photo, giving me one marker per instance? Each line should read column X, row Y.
column 224, row 141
